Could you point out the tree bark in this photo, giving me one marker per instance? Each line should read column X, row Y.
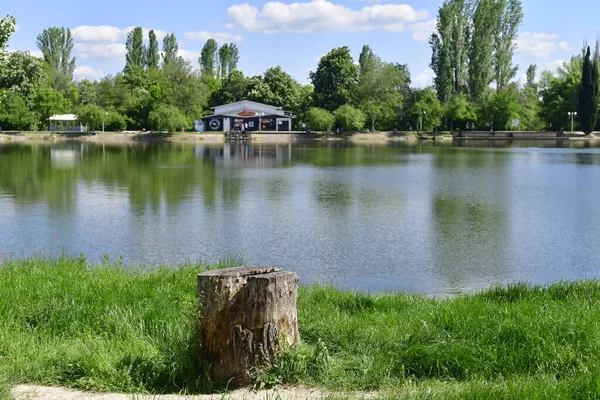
column 247, row 315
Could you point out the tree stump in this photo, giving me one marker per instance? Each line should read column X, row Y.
column 247, row 313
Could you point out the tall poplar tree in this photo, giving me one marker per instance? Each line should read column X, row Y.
column 209, row 59
column 510, row 18
column 56, row 45
column 152, row 56
column 170, row 49
column 589, row 91
column 224, row 55
column 234, row 58
column 449, row 46
column 482, row 48
column 136, row 51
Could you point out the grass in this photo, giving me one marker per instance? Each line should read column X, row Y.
column 108, row 328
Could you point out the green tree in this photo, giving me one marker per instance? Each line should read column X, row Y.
column 481, row 62
column 233, row 88
column 170, row 49
column 87, row 92
column 153, row 55
column 92, row 116
column 234, row 58
column 25, row 75
column 258, row 90
column 209, row 59
column 426, row 110
column 349, row 118
column 48, row 102
column 335, row 80
column 559, row 93
column 115, row 121
column 460, row 110
column 587, row 109
column 183, row 88
column 319, row 119
column 7, row 28
column 168, row 118
column 136, row 51
column 530, row 80
column 510, row 18
column 285, row 89
column 449, row 46
column 503, row 107
column 56, row 44
column 15, row 114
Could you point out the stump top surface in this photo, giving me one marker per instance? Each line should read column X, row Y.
column 241, row 271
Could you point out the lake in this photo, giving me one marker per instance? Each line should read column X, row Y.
column 431, row 218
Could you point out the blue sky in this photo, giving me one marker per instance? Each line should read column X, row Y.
column 293, row 34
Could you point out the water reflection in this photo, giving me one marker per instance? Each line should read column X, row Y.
column 433, row 217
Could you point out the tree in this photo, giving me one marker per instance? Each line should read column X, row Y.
column 284, row 88
column 7, row 28
column 449, row 46
column 56, row 45
column 503, row 107
column 530, row 81
column 183, row 88
column 92, row 116
column 425, row 111
column 460, row 109
column 224, row 55
column 510, row 18
column 234, row 58
column 48, row 102
column 349, row 118
column 136, row 51
column 15, row 114
column 319, row 119
column 152, row 56
column 25, row 75
column 233, row 88
column 170, row 49
column 335, row 80
column 589, row 91
column 485, row 22
column 559, row 93
column 365, row 60
column 167, row 118
column 208, row 58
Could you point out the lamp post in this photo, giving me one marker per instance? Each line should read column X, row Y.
column 103, row 121
column 421, row 114
column 572, row 114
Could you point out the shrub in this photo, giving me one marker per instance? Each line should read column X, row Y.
column 349, row 118
column 319, row 119
column 15, row 115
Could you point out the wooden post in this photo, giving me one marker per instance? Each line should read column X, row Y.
column 247, row 313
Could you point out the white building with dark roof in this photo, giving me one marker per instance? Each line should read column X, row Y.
column 247, row 115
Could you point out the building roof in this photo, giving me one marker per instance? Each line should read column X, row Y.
column 250, row 106
column 64, row 117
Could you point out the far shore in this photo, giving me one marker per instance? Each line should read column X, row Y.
column 277, row 137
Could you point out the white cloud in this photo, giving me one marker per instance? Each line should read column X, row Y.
column 425, row 78
column 539, row 45
column 422, row 30
column 17, row 28
column 191, row 56
column 220, row 37
column 86, row 72
column 551, row 66
column 324, row 16
column 107, row 34
column 100, row 51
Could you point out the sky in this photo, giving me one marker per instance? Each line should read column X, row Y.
column 292, row 34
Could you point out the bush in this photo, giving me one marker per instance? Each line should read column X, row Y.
column 318, row 119
column 115, row 121
column 167, row 118
column 15, row 115
column 349, row 118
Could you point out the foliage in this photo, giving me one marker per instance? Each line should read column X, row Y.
column 319, row 119
column 136, row 50
column 335, row 80
column 7, row 28
column 170, row 49
column 56, row 44
column 589, row 91
column 559, row 94
column 510, row 18
column 48, row 102
column 426, row 110
column 92, row 116
column 233, row 88
column 25, row 75
column 460, row 110
column 167, row 118
column 229, row 57
column 349, row 118
column 15, row 114
column 152, row 56
column 209, row 58
column 183, row 88
column 503, row 107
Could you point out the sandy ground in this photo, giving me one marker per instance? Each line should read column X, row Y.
column 24, row 392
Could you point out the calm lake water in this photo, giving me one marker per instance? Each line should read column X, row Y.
column 426, row 218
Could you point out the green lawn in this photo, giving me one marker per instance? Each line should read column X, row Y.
column 107, row 328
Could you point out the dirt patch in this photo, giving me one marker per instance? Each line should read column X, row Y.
column 25, row 392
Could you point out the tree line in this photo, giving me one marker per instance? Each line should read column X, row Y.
column 472, row 58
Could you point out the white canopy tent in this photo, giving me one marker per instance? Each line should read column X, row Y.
column 66, row 123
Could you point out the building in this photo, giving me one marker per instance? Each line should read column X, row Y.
column 65, row 123
column 246, row 115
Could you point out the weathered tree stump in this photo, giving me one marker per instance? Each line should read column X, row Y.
column 247, row 313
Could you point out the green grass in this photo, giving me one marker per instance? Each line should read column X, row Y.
column 108, row 328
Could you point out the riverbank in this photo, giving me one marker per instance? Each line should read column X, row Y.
column 104, row 328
